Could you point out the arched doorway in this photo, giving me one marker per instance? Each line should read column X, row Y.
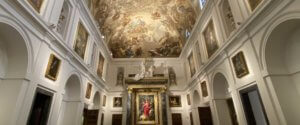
column 14, row 62
column 91, row 115
column 223, row 101
column 283, row 65
column 71, row 107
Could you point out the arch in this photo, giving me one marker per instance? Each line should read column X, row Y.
column 96, row 100
column 220, row 86
column 281, row 61
column 71, row 107
column 196, row 98
column 15, row 60
column 222, row 100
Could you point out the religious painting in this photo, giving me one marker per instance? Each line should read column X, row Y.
column 188, row 99
column 228, row 18
column 210, row 39
column 53, row 67
column 172, row 76
column 88, row 91
column 204, row 89
column 36, row 4
column 120, row 76
column 104, row 101
column 63, row 19
column 192, row 64
column 117, row 102
column 81, row 40
column 174, row 101
column 100, row 65
column 146, row 103
column 254, row 3
column 240, row 65
column 159, row 32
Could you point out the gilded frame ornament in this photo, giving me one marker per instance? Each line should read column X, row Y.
column 240, row 65
column 140, row 117
column 192, row 64
column 36, row 4
column 117, row 102
column 210, row 38
column 88, row 91
column 53, row 68
column 175, row 101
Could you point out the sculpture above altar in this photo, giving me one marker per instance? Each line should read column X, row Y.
column 147, row 69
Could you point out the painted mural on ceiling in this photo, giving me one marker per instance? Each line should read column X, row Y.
column 144, row 28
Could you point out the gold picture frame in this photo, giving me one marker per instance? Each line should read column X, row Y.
column 36, row 4
column 117, row 102
column 240, row 65
column 204, row 89
column 88, row 90
column 188, row 97
column 100, row 65
column 147, row 108
column 53, row 67
column 81, row 40
column 175, row 101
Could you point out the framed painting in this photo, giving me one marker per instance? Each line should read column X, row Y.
column 192, row 64
column 240, row 65
column 253, row 4
column 104, row 101
column 100, row 65
column 36, row 4
column 117, row 102
column 88, row 91
column 81, row 40
column 210, row 39
column 204, row 89
column 188, row 99
column 53, row 67
column 174, row 101
column 147, row 107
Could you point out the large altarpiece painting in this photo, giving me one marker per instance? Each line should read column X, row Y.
column 146, row 103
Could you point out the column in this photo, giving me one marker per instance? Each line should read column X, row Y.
column 164, row 106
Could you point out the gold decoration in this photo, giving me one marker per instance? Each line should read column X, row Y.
column 53, row 67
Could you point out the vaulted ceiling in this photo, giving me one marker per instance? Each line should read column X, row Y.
column 144, row 28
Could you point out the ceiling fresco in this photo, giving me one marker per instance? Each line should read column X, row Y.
column 144, row 28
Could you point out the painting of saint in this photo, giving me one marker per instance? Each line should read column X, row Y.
column 240, row 65
column 36, row 4
column 88, row 91
column 53, row 67
column 254, row 3
column 147, row 105
column 175, row 101
column 117, row 102
column 100, row 66
column 192, row 64
column 204, row 89
column 210, row 39
column 81, row 40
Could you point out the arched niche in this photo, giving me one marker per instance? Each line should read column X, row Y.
column 71, row 107
column 222, row 101
column 14, row 61
column 282, row 62
column 96, row 100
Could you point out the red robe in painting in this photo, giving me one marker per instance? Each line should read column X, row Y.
column 147, row 108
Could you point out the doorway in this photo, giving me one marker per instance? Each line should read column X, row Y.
column 176, row 119
column 40, row 108
column 117, row 119
column 253, row 107
column 205, row 116
column 90, row 117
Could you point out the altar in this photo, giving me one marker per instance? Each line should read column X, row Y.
column 146, row 101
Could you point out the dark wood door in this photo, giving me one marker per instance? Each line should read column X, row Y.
column 176, row 119
column 90, row 117
column 117, row 119
column 205, row 116
column 232, row 112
